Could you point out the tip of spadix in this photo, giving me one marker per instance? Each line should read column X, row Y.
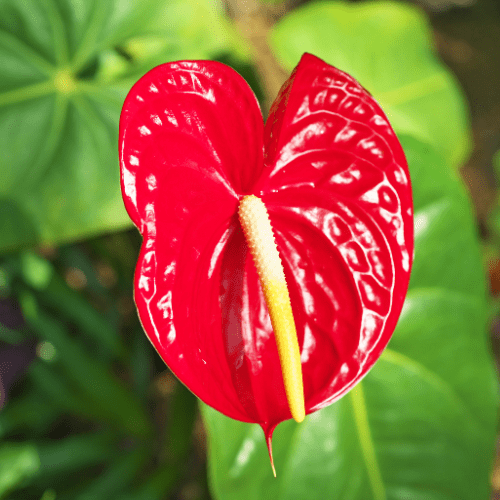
column 299, row 416
column 295, row 396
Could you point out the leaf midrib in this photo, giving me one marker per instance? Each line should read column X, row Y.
column 432, row 378
column 414, row 90
column 61, row 48
column 26, row 53
column 27, row 92
column 367, row 446
column 53, row 137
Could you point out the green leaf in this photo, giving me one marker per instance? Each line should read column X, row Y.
column 387, row 46
column 37, row 272
column 141, row 363
column 10, row 336
column 177, row 443
column 111, row 397
column 444, row 225
column 204, row 31
column 422, row 424
column 16, row 226
column 157, row 486
column 54, row 386
column 116, row 478
column 64, row 72
column 43, row 463
column 18, row 462
column 41, row 275
column 183, row 413
column 31, row 411
column 59, row 457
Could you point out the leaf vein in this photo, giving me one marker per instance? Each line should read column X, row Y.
column 366, row 442
column 432, row 378
column 61, row 48
column 53, row 138
column 27, row 92
column 88, row 44
column 26, row 53
column 415, row 90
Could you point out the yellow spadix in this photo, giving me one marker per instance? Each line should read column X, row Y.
column 259, row 235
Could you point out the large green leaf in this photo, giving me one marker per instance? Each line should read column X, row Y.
column 387, row 47
column 65, row 67
column 421, row 425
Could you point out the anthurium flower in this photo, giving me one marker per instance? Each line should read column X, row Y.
column 334, row 181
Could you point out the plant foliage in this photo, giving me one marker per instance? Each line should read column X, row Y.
column 65, row 70
column 421, row 425
column 87, row 409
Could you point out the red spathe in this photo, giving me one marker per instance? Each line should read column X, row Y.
column 335, row 181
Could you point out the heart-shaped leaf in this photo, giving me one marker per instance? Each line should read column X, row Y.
column 65, row 68
column 421, row 425
column 387, row 47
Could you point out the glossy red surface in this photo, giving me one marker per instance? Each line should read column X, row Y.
column 335, row 181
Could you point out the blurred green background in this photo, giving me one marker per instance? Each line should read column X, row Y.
column 87, row 408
